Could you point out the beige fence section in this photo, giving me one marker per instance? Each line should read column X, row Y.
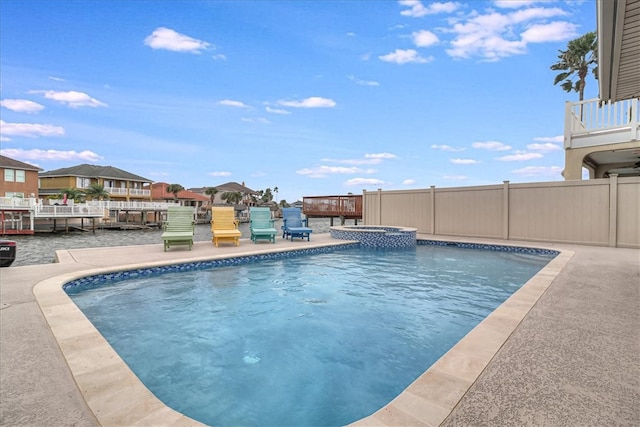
column 602, row 212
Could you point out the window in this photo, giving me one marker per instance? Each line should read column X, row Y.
column 20, row 176
column 83, row 182
column 9, row 175
column 14, row 194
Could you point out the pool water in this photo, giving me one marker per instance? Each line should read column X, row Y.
column 317, row 340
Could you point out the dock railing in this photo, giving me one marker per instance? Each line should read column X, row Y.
column 347, row 207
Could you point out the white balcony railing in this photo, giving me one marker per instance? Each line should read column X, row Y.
column 18, row 203
column 118, row 191
column 593, row 122
column 41, row 207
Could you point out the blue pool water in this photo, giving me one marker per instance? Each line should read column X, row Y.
column 318, row 340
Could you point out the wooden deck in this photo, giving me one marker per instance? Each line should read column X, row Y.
column 343, row 207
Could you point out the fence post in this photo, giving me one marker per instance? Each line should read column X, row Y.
column 379, row 206
column 613, row 210
column 505, row 210
column 363, row 207
column 433, row 209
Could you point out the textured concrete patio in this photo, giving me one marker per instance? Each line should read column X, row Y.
column 573, row 358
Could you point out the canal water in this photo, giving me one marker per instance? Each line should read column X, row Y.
column 40, row 248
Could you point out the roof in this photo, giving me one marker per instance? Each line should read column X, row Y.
column 9, row 163
column 618, row 49
column 228, row 188
column 159, row 191
column 95, row 171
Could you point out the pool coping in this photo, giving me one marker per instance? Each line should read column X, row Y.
column 117, row 397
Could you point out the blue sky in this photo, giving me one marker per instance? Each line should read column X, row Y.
column 312, row 97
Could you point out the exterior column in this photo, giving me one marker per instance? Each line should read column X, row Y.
column 572, row 164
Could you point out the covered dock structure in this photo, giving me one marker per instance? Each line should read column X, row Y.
column 342, row 207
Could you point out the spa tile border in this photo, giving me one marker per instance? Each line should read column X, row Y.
column 489, row 247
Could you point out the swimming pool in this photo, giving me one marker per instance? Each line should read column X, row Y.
column 395, row 344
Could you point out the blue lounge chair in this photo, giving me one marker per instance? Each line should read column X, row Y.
column 261, row 224
column 293, row 225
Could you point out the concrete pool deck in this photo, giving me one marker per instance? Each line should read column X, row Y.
column 564, row 350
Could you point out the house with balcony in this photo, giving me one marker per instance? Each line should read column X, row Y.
column 121, row 185
column 603, row 135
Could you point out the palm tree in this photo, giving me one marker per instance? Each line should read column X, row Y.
column 73, row 194
column 275, row 190
column 267, row 196
column 211, row 192
column 97, row 191
column 175, row 189
column 581, row 54
column 232, row 197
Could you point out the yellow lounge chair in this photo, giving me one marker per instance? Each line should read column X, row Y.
column 224, row 226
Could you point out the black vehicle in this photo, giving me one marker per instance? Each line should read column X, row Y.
column 7, row 252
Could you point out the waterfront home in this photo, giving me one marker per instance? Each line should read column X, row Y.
column 159, row 193
column 121, row 185
column 229, row 187
column 603, row 135
column 18, row 179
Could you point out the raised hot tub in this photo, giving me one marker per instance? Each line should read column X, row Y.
column 377, row 236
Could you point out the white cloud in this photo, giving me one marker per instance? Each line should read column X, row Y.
column 29, row 130
column 56, row 79
column 311, row 102
column 219, row 173
column 424, row 38
column 72, row 98
column 519, row 157
column 323, row 171
column 446, row 148
column 166, row 38
column 545, row 148
column 409, row 181
column 455, row 177
column 380, row 156
column 495, row 35
column 554, row 31
column 36, row 154
column 405, row 56
column 363, row 82
column 558, row 139
column 353, row 161
column 369, row 159
column 276, row 110
column 511, row 4
column 363, row 181
column 256, row 120
column 539, row 171
column 219, row 57
column 417, row 9
column 491, row 146
column 464, row 161
column 21, row 105
column 232, row 103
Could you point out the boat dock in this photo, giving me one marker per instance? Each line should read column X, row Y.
column 29, row 215
column 342, row 207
